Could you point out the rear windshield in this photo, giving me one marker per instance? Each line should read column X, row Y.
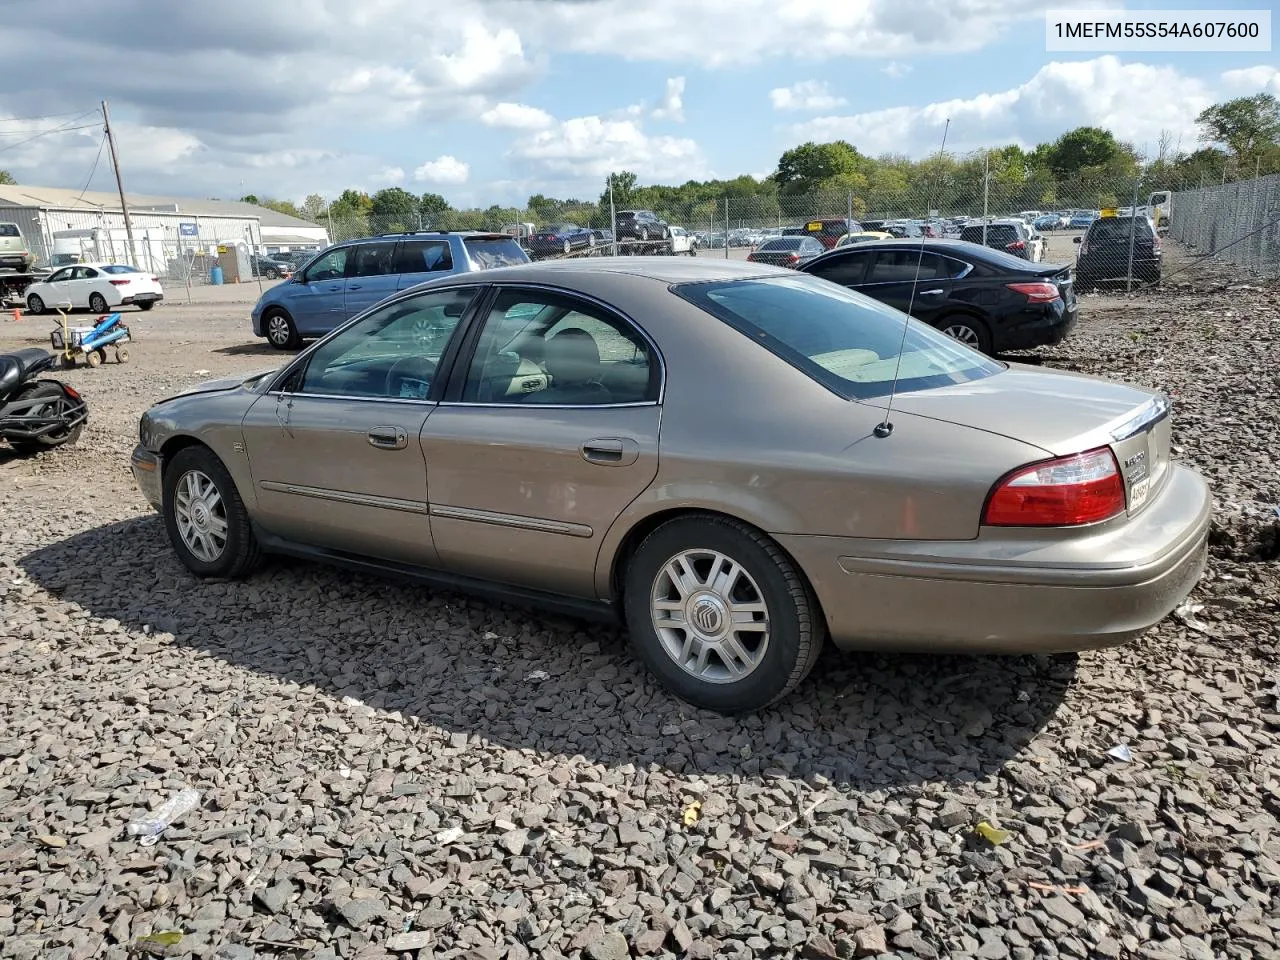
column 626, row 214
column 1002, row 234
column 1119, row 228
column 119, row 268
column 489, row 252
column 844, row 340
column 9, row 230
column 783, row 243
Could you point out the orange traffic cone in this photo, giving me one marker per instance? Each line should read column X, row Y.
column 17, row 316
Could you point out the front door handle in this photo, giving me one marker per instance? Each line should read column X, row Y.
column 387, row 438
column 611, row 452
column 931, row 293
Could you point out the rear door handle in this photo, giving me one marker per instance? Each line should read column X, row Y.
column 611, row 452
column 387, row 438
column 353, row 286
column 931, row 293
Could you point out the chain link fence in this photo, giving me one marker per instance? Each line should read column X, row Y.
column 1237, row 222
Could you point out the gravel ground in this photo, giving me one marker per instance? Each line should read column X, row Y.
column 385, row 769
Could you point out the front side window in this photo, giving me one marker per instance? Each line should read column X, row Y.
column 541, row 347
column 844, row 340
column 392, row 353
column 332, row 266
column 63, row 274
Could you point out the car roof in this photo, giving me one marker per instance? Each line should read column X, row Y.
column 663, row 269
column 955, row 248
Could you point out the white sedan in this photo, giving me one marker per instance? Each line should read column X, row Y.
column 98, row 287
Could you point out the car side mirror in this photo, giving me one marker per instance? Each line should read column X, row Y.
column 1077, row 239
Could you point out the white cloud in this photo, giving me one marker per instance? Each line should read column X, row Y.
column 1135, row 100
column 672, row 106
column 1250, row 80
column 445, row 170
column 388, row 176
column 805, row 95
column 516, row 116
column 584, row 150
column 895, row 70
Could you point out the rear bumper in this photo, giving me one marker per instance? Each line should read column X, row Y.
column 146, row 474
column 1050, row 327
column 1014, row 592
column 143, row 298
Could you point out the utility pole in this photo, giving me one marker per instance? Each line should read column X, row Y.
column 115, row 163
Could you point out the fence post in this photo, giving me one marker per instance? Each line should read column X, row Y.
column 1133, row 230
column 726, row 228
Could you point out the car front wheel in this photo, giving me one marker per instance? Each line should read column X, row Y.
column 281, row 333
column 720, row 614
column 207, row 521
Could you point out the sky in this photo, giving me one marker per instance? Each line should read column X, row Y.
column 490, row 101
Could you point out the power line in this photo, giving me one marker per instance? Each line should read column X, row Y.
column 52, row 116
column 94, row 169
column 65, row 128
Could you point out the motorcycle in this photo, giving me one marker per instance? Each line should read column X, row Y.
column 37, row 414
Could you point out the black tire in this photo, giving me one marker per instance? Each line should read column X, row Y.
column 97, row 303
column 48, row 441
column 35, row 305
column 271, row 273
column 280, row 331
column 240, row 552
column 146, row 305
column 979, row 335
column 796, row 625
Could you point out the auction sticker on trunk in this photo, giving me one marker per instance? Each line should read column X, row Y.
column 1138, row 494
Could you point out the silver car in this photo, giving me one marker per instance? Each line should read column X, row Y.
column 738, row 460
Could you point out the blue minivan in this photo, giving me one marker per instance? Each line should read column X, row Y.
column 348, row 278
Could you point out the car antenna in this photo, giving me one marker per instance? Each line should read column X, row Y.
column 885, row 427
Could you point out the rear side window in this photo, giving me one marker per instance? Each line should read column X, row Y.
column 425, row 256
column 849, row 343
column 9, row 230
column 375, row 260
column 845, row 270
column 490, row 252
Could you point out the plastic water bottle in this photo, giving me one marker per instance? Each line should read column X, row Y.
column 150, row 827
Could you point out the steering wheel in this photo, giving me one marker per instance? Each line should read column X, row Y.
column 423, row 369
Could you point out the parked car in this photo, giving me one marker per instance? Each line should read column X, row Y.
column 350, row 277
column 98, row 287
column 1050, row 221
column 1104, row 251
column 500, row 433
column 14, row 252
column 603, row 236
column 1083, row 219
column 851, row 239
column 787, row 251
column 639, row 225
column 829, row 230
column 903, row 228
column 270, row 268
column 682, row 241
column 560, row 239
column 1010, row 235
column 987, row 299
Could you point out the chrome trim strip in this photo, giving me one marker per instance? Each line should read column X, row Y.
column 550, row 406
column 1150, row 413
column 338, row 396
column 510, row 520
column 343, row 496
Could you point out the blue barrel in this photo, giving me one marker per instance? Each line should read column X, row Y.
column 215, row 276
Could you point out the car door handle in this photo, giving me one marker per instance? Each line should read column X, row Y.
column 387, row 438
column 931, row 293
column 353, row 286
column 611, row 452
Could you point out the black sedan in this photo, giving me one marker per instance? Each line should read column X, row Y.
column 270, row 268
column 787, row 251
column 560, row 239
column 988, row 299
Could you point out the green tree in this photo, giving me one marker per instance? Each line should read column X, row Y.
column 811, row 167
column 624, row 187
column 250, row 198
column 352, row 203
column 1081, row 148
column 287, row 207
column 314, row 207
column 433, row 205
column 396, row 206
column 6, row 177
column 1248, row 126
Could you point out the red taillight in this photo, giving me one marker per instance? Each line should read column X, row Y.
column 70, row 392
column 155, row 279
column 793, row 257
column 119, row 283
column 1082, row 488
column 1016, row 245
column 1155, row 244
column 1036, row 292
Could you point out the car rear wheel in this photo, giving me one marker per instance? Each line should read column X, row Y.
column 56, row 405
column 968, row 330
column 281, row 333
column 207, row 522
column 146, row 305
column 271, row 273
column 568, row 247
column 35, row 306
column 720, row 614
column 97, row 303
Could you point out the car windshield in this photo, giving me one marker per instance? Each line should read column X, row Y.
column 9, row 230
column 119, row 268
column 844, row 340
column 787, row 243
column 490, row 252
column 1119, row 228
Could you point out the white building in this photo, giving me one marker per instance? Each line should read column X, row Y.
column 171, row 234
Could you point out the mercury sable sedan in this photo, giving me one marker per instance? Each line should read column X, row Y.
column 737, row 460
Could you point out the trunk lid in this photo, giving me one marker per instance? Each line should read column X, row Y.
column 1063, row 413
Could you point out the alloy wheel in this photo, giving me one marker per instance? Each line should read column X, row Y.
column 201, row 516
column 278, row 329
column 964, row 333
column 710, row 616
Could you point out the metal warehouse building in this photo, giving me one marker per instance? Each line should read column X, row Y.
column 172, row 235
